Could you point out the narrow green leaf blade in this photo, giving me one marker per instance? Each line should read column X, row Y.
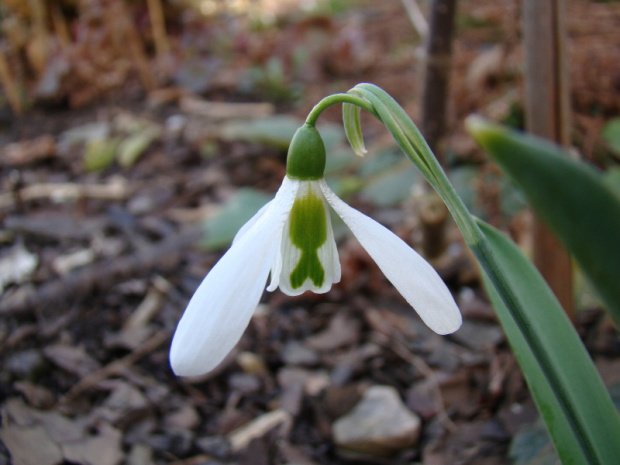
column 570, row 196
column 569, row 392
column 611, row 134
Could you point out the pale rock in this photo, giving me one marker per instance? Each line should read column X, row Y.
column 26, row 364
column 479, row 336
column 140, row 454
column 16, row 265
column 313, row 381
column 342, row 331
column 245, row 383
column 296, row 353
column 251, row 363
column 380, row 424
column 186, row 418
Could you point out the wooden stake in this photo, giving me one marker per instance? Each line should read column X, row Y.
column 547, row 111
column 158, row 24
column 434, row 109
column 8, row 83
column 60, row 26
column 120, row 15
column 437, row 74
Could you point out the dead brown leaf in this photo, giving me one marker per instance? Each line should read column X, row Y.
column 30, row 151
column 73, row 359
column 341, row 331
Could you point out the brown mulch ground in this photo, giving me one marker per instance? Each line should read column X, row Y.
column 112, row 260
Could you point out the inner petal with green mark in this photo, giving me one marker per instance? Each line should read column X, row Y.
column 308, row 232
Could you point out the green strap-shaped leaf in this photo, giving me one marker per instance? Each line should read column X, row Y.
column 570, row 196
column 569, row 393
column 565, row 385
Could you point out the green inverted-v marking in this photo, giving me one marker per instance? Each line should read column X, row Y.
column 308, row 232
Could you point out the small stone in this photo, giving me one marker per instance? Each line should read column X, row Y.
column 422, row 399
column 35, row 395
column 494, row 430
column 140, row 454
column 178, row 443
column 380, row 424
column 185, row 418
column 342, row 331
column 125, row 407
column 26, row 365
column 217, row 446
column 245, row 383
column 479, row 336
column 314, row 382
column 141, row 204
column 126, row 397
column 182, row 443
column 251, row 363
column 292, row 398
column 295, row 353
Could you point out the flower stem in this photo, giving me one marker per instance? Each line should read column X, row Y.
column 335, row 99
column 417, row 150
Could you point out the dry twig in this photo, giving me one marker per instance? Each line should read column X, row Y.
column 101, row 276
column 225, row 110
column 10, row 88
column 116, row 367
column 158, row 25
column 417, row 17
column 58, row 192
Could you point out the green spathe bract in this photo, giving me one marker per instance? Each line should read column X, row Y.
column 306, row 155
column 308, row 232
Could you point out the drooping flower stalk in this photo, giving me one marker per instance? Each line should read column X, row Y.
column 292, row 239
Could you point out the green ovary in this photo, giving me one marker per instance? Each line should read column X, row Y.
column 308, row 232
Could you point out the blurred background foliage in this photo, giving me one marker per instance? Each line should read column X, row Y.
column 60, row 55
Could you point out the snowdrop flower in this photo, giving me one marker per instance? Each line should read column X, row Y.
column 291, row 237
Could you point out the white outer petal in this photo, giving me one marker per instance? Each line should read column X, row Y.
column 221, row 308
column 276, row 267
column 251, row 222
column 413, row 276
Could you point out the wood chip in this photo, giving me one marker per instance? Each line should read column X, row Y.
column 20, row 440
column 103, row 449
column 72, row 359
column 22, row 153
column 37, row 396
column 116, row 189
column 241, row 437
column 147, row 309
column 342, row 331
